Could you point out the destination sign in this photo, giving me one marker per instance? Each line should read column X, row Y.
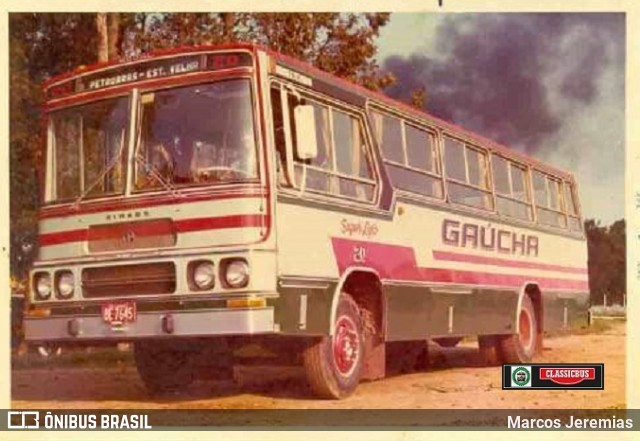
column 150, row 70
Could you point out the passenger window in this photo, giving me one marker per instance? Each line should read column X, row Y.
column 410, row 155
column 540, row 189
column 519, row 184
column 388, row 132
column 512, row 197
column 343, row 165
column 548, row 200
column 279, row 135
column 454, row 159
column 324, row 159
column 420, row 147
column 467, row 178
column 477, row 165
column 572, row 208
column 571, row 203
column 501, row 175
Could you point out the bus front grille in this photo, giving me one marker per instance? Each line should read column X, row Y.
column 125, row 280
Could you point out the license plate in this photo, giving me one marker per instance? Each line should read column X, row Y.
column 118, row 313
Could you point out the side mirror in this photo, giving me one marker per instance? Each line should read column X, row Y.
column 305, row 132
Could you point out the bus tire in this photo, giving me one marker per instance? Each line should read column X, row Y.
column 162, row 368
column 334, row 364
column 521, row 347
column 448, row 342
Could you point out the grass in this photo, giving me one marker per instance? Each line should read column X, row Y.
column 616, row 311
column 597, row 327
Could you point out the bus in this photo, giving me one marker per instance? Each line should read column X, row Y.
column 204, row 198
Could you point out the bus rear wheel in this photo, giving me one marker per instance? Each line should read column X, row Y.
column 521, row 347
column 334, row 364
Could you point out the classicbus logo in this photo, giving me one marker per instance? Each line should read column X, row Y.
column 553, row 376
column 567, row 376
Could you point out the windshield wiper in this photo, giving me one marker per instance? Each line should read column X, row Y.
column 152, row 171
column 104, row 172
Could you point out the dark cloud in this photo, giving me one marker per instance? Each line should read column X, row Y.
column 512, row 77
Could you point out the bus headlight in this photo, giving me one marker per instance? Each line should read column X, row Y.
column 42, row 282
column 236, row 273
column 203, row 275
column 65, row 284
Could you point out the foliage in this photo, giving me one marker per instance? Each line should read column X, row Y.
column 607, row 261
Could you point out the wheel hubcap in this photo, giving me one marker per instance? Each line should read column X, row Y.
column 526, row 330
column 346, row 345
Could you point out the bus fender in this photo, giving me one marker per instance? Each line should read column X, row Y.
column 521, row 293
column 336, row 295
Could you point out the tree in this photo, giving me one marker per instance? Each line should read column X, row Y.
column 607, row 261
column 419, row 98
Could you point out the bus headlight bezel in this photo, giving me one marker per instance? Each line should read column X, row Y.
column 202, row 275
column 65, row 284
column 42, row 285
column 235, row 273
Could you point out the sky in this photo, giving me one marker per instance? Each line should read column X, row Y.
column 549, row 85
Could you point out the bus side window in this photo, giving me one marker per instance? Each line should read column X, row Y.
column 351, row 156
column 280, row 132
column 343, row 165
column 468, row 180
column 549, row 201
column 279, row 136
column 510, row 184
column 410, row 155
column 572, row 207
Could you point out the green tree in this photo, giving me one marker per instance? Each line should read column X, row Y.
column 607, row 261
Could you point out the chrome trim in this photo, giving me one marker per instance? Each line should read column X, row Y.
column 149, row 324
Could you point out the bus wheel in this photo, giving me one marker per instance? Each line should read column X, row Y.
column 334, row 364
column 521, row 347
column 448, row 342
column 162, row 368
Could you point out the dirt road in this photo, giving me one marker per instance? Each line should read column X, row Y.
column 455, row 381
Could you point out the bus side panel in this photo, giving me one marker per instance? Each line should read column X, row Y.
column 415, row 312
column 304, row 309
column 408, row 312
column 563, row 310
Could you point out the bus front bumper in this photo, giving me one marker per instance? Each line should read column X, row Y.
column 151, row 324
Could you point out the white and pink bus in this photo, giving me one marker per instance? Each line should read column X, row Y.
column 203, row 198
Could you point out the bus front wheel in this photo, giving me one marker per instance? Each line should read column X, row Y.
column 521, row 347
column 334, row 364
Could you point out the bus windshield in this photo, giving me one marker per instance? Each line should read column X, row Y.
column 88, row 144
column 201, row 134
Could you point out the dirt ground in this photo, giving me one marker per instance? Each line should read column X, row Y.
column 455, row 380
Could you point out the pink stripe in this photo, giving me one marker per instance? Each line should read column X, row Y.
column 181, row 226
column 483, row 260
column 396, row 262
column 48, row 239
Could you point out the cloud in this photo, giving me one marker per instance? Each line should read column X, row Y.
column 551, row 85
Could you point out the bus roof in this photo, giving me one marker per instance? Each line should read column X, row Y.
column 309, row 69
